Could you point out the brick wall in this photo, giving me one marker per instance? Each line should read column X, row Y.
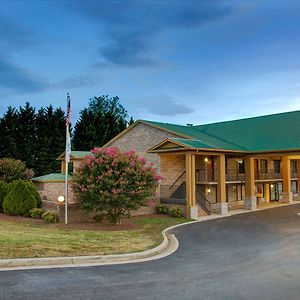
column 141, row 138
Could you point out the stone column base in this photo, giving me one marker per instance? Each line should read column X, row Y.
column 286, row 198
column 222, row 208
column 250, row 203
column 194, row 212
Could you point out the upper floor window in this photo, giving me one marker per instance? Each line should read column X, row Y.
column 264, row 166
column 241, row 166
column 276, row 164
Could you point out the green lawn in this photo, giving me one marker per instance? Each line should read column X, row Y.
column 24, row 239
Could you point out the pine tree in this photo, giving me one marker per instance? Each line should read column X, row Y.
column 102, row 120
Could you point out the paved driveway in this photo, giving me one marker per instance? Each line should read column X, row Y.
column 249, row 256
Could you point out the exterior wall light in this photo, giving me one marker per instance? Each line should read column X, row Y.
column 61, row 199
column 208, row 190
column 271, row 186
column 206, row 159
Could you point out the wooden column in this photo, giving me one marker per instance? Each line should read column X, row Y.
column 287, row 195
column 190, row 183
column 63, row 167
column 221, row 193
column 250, row 195
column 267, row 192
column 222, row 205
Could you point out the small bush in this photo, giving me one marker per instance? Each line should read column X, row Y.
column 176, row 212
column 161, row 209
column 50, row 217
column 3, row 192
column 36, row 213
column 98, row 218
column 19, row 201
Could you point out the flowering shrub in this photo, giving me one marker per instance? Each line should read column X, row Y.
column 114, row 182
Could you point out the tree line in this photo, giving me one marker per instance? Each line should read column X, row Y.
column 37, row 136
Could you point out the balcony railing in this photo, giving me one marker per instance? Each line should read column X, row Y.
column 211, row 175
column 267, row 174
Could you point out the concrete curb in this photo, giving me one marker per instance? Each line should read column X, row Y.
column 168, row 246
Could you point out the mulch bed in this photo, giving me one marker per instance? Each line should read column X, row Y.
column 126, row 224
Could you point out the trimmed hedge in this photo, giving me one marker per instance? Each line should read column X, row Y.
column 161, row 209
column 36, row 213
column 176, row 212
column 50, row 217
column 20, row 200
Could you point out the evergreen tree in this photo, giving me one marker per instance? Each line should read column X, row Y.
column 26, row 135
column 8, row 129
column 102, row 120
column 36, row 138
column 50, row 139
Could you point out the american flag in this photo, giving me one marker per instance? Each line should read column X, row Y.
column 68, row 120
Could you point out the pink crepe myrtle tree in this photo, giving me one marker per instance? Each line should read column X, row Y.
column 114, row 183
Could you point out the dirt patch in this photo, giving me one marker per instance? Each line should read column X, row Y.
column 126, row 224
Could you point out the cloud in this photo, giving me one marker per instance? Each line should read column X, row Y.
column 129, row 27
column 76, row 82
column 14, row 36
column 19, row 80
column 162, row 105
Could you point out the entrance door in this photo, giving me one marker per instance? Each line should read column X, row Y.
column 275, row 190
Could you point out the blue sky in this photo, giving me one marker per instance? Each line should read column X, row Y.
column 173, row 61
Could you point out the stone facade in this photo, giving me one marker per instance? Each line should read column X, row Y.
column 50, row 191
column 141, row 138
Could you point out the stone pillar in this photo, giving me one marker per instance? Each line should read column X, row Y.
column 191, row 207
column 250, row 197
column 287, row 195
column 222, row 205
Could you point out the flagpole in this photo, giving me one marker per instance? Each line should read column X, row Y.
column 66, row 177
column 67, row 156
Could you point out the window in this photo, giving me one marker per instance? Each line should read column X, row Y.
column 294, row 166
column 241, row 166
column 264, row 166
column 276, row 164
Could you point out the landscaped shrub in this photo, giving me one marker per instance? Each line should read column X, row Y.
column 13, row 169
column 19, row 201
column 31, row 188
column 114, row 183
column 176, row 212
column 50, row 217
column 98, row 218
column 36, row 213
column 35, row 193
column 3, row 192
column 161, row 209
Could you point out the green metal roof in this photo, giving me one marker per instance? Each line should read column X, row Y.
column 75, row 154
column 265, row 133
column 51, row 177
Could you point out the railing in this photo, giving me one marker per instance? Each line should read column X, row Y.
column 179, row 180
column 204, row 203
column 294, row 174
column 173, row 191
column 206, row 175
column 267, row 174
column 211, row 175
